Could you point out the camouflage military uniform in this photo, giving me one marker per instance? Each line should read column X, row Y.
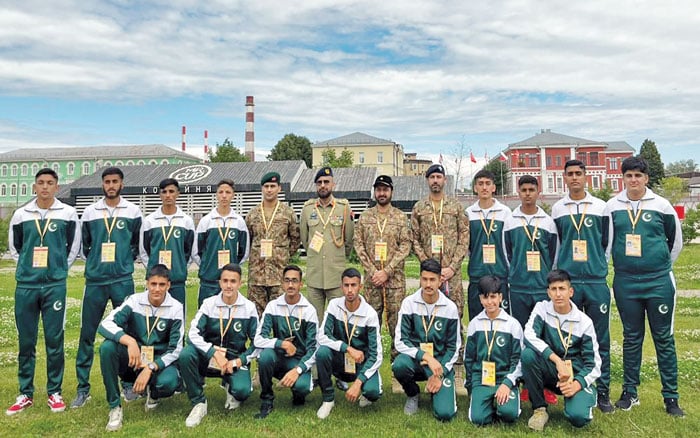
column 397, row 236
column 265, row 274
column 454, row 227
column 325, row 267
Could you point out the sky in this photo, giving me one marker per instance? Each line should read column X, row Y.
column 430, row 75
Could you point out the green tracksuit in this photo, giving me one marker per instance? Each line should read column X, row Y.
column 498, row 341
column 542, row 338
column 645, row 285
column 238, row 322
column 135, row 317
column 106, row 280
column 42, row 290
column 174, row 233
column 281, row 321
column 443, row 333
column 589, row 273
column 363, row 326
column 486, row 227
column 527, row 287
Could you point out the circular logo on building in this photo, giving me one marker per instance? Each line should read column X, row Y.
column 190, row 174
column 663, row 309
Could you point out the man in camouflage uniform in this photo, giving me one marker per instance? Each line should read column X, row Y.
column 441, row 231
column 274, row 236
column 326, row 232
column 382, row 242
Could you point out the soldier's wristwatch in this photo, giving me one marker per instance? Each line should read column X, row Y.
column 152, row 366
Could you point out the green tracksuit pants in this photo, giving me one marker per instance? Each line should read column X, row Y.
column 331, row 363
column 206, row 289
column 522, row 303
column 114, row 362
column 193, row 367
column 540, row 373
column 95, row 299
column 275, row 364
column 50, row 303
column 655, row 299
column 483, row 407
column 408, row 371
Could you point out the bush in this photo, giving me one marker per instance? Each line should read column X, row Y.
column 4, row 230
column 690, row 225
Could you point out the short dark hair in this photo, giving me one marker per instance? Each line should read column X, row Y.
column 528, row 179
column 351, row 273
column 113, row 171
column 490, row 284
column 46, row 171
column 577, row 163
column 169, row 182
column 159, row 270
column 431, row 265
column 485, row 173
column 635, row 163
column 232, row 267
column 292, row 268
column 558, row 275
column 228, row 182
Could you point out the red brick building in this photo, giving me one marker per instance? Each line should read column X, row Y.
column 543, row 156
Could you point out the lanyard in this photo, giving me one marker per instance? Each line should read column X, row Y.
column 223, row 330
column 382, row 227
column 636, row 217
column 486, row 336
column 483, row 224
column 348, row 332
column 565, row 344
column 109, row 226
column 435, row 219
column 223, row 236
column 166, row 237
column 432, row 319
column 320, row 217
column 272, row 218
column 41, row 232
column 532, row 236
column 580, row 222
column 149, row 328
column 291, row 332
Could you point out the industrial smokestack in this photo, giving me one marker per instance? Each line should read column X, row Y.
column 184, row 131
column 249, row 130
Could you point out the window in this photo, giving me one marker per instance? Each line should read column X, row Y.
column 560, row 184
column 414, row 166
column 534, row 161
column 593, row 158
column 35, row 169
column 118, row 163
column 25, row 170
column 3, row 170
column 3, row 190
column 361, row 157
column 558, row 160
column 13, row 190
column 596, row 182
column 581, row 156
column 141, row 162
column 615, row 187
column 613, row 163
column 153, row 162
column 86, row 168
column 550, row 184
column 164, row 161
column 55, row 167
column 549, row 161
column 108, row 163
column 23, row 190
column 380, row 157
column 71, row 168
column 13, row 170
column 130, row 163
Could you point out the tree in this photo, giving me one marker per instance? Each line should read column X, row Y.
column 500, row 169
column 226, row 153
column 459, row 150
column 330, row 158
column 649, row 152
column 690, row 225
column 292, row 147
column 4, row 233
column 682, row 166
column 605, row 192
column 674, row 189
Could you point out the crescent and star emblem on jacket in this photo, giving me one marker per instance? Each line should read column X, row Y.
column 161, row 326
column 237, row 326
column 57, row 306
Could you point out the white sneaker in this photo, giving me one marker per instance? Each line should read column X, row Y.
column 115, row 419
column 151, row 403
column 411, row 406
column 325, row 410
column 231, row 402
column 198, row 412
column 363, row 402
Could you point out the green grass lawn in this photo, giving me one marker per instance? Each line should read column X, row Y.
column 384, row 418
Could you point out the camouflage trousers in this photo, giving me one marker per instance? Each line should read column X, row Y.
column 389, row 301
column 261, row 295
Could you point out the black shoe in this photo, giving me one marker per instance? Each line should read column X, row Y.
column 265, row 410
column 672, row 407
column 298, row 400
column 343, row 386
column 627, row 400
column 604, row 404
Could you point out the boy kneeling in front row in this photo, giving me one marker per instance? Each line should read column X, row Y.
column 561, row 354
column 492, row 358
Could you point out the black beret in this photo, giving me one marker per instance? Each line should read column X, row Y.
column 435, row 168
column 273, row 177
column 384, row 180
column 324, row 171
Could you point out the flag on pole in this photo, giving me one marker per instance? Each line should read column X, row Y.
column 440, row 159
column 471, row 157
column 502, row 157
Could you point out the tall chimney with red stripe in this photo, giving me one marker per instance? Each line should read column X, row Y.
column 249, row 130
column 184, row 130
